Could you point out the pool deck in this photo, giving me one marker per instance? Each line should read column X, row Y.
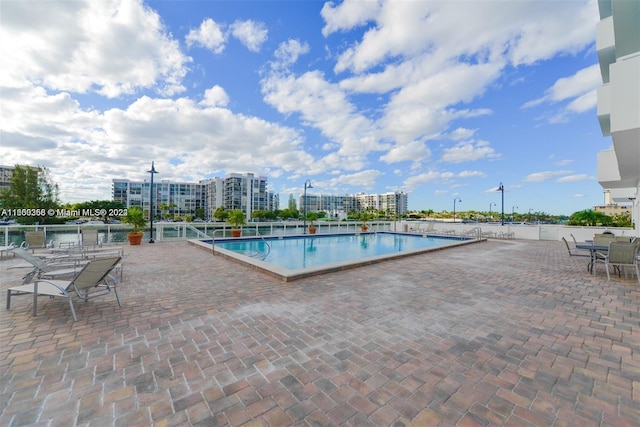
column 511, row 333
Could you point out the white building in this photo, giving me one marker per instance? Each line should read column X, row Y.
column 338, row 207
column 169, row 198
column 235, row 191
column 246, row 192
column 618, row 46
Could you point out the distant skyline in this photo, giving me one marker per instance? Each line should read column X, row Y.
column 441, row 100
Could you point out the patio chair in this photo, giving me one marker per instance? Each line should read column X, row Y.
column 92, row 281
column 622, row 254
column 578, row 253
column 34, row 240
column 603, row 239
column 90, row 238
column 573, row 251
column 54, row 267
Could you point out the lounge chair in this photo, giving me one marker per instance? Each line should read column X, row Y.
column 90, row 238
column 34, row 240
column 92, row 281
column 7, row 250
column 475, row 232
column 622, row 254
column 55, row 267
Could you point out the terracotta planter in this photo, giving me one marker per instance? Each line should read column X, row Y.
column 135, row 238
column 236, row 232
column 312, row 230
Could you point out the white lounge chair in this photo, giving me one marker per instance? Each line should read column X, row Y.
column 51, row 268
column 92, row 281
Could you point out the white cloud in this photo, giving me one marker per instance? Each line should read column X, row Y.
column 288, row 53
column 576, row 178
column 469, row 151
column 582, row 85
column 325, row 106
column 523, row 32
column 250, row 33
column 362, row 179
column 72, row 46
column 414, row 151
column 214, row 36
column 90, row 148
column 546, row 175
column 433, row 176
column 215, row 97
column 461, row 133
column 209, row 35
column 348, row 14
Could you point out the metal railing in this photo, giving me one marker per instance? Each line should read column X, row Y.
column 117, row 233
column 257, row 254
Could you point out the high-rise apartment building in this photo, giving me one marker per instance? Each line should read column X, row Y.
column 618, row 46
column 339, row 206
column 246, row 192
column 169, row 198
column 235, row 191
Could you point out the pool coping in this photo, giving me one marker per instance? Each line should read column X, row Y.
column 287, row 275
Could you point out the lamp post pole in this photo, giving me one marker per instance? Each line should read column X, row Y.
column 501, row 189
column 513, row 213
column 490, row 204
column 307, row 184
column 152, row 172
column 454, row 207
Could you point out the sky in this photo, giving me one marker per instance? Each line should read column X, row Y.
column 443, row 100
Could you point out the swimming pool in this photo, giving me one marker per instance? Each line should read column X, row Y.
column 294, row 257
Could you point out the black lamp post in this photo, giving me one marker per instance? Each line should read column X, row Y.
column 152, row 172
column 307, row 184
column 501, row 189
column 454, row 207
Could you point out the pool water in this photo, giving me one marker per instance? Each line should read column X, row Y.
column 295, row 253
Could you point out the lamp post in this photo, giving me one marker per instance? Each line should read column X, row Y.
column 455, row 199
column 152, row 172
column 307, row 184
column 491, row 204
column 513, row 213
column 501, row 189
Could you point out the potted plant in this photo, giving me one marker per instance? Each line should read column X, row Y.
column 311, row 217
column 364, row 217
column 135, row 217
column 237, row 219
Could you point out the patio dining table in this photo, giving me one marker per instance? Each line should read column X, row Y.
column 593, row 249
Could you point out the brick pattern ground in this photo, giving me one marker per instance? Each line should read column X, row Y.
column 508, row 333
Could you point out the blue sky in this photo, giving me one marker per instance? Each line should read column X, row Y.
column 441, row 100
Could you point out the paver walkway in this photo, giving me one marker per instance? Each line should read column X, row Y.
column 511, row 333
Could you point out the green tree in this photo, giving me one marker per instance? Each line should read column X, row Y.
column 31, row 188
column 261, row 215
column 221, row 214
column 289, row 213
column 589, row 217
column 236, row 218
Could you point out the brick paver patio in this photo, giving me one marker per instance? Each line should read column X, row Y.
column 510, row 333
